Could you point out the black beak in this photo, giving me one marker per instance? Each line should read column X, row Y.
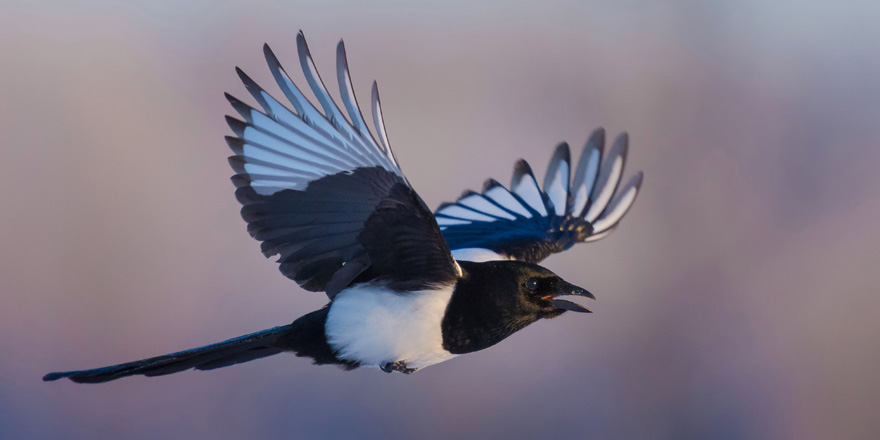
column 571, row 289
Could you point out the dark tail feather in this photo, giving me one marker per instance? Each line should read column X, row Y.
column 234, row 351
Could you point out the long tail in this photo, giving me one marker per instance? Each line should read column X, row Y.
column 234, row 351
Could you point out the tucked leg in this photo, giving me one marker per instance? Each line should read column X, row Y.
column 398, row 366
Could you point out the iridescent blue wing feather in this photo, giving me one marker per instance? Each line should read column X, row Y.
column 529, row 223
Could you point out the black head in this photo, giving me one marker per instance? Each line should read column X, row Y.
column 494, row 299
column 538, row 288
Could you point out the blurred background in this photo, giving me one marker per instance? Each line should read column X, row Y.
column 738, row 299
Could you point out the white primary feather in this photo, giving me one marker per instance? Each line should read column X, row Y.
column 526, row 187
column 446, row 221
column 378, row 120
column 619, row 205
column 373, row 325
column 346, row 89
column 606, row 190
column 477, row 255
column 464, row 214
column 285, row 149
column 479, row 203
column 503, row 197
column 556, row 181
column 609, row 176
column 585, row 178
column 256, row 152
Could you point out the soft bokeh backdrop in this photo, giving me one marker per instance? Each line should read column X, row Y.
column 739, row 298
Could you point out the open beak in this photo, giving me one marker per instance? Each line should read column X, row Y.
column 571, row 289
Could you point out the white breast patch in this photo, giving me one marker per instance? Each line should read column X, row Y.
column 374, row 325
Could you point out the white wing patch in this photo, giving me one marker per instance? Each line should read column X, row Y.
column 503, row 197
column 592, row 194
column 446, row 221
column 480, row 203
column 557, row 178
column 609, row 177
column 525, row 186
column 279, row 148
column 620, row 204
column 588, row 169
column 477, row 255
column 464, row 214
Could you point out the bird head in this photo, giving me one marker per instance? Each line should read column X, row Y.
column 495, row 299
column 538, row 291
column 515, row 288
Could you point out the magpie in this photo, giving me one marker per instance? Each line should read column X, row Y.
column 408, row 287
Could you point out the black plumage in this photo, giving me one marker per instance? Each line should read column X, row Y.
column 321, row 193
column 483, row 312
column 367, row 224
column 233, row 351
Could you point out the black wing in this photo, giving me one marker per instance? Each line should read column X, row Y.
column 324, row 195
column 528, row 224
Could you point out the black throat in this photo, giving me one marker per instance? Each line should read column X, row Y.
column 485, row 308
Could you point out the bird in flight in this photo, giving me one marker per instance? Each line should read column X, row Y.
column 408, row 287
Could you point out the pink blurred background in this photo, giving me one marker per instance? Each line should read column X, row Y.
column 738, row 299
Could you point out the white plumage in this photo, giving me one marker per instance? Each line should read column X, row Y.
column 477, row 255
column 374, row 325
column 525, row 186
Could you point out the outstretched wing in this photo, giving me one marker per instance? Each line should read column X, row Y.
column 527, row 223
column 322, row 194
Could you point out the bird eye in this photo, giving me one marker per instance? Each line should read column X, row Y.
column 532, row 284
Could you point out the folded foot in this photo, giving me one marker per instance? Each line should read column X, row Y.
column 398, row 366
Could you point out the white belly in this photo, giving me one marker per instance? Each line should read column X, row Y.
column 373, row 325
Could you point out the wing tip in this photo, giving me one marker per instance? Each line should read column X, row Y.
column 238, row 126
column 444, row 205
column 489, row 184
column 301, row 44
column 232, row 99
column 271, row 59
column 562, row 151
column 235, row 144
column 621, row 143
column 595, row 141
column 245, row 78
column 374, row 92
column 520, row 169
column 340, row 49
column 240, row 107
column 466, row 193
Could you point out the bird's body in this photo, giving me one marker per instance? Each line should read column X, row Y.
column 373, row 325
column 407, row 289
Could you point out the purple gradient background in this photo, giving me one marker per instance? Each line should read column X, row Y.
column 738, row 299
